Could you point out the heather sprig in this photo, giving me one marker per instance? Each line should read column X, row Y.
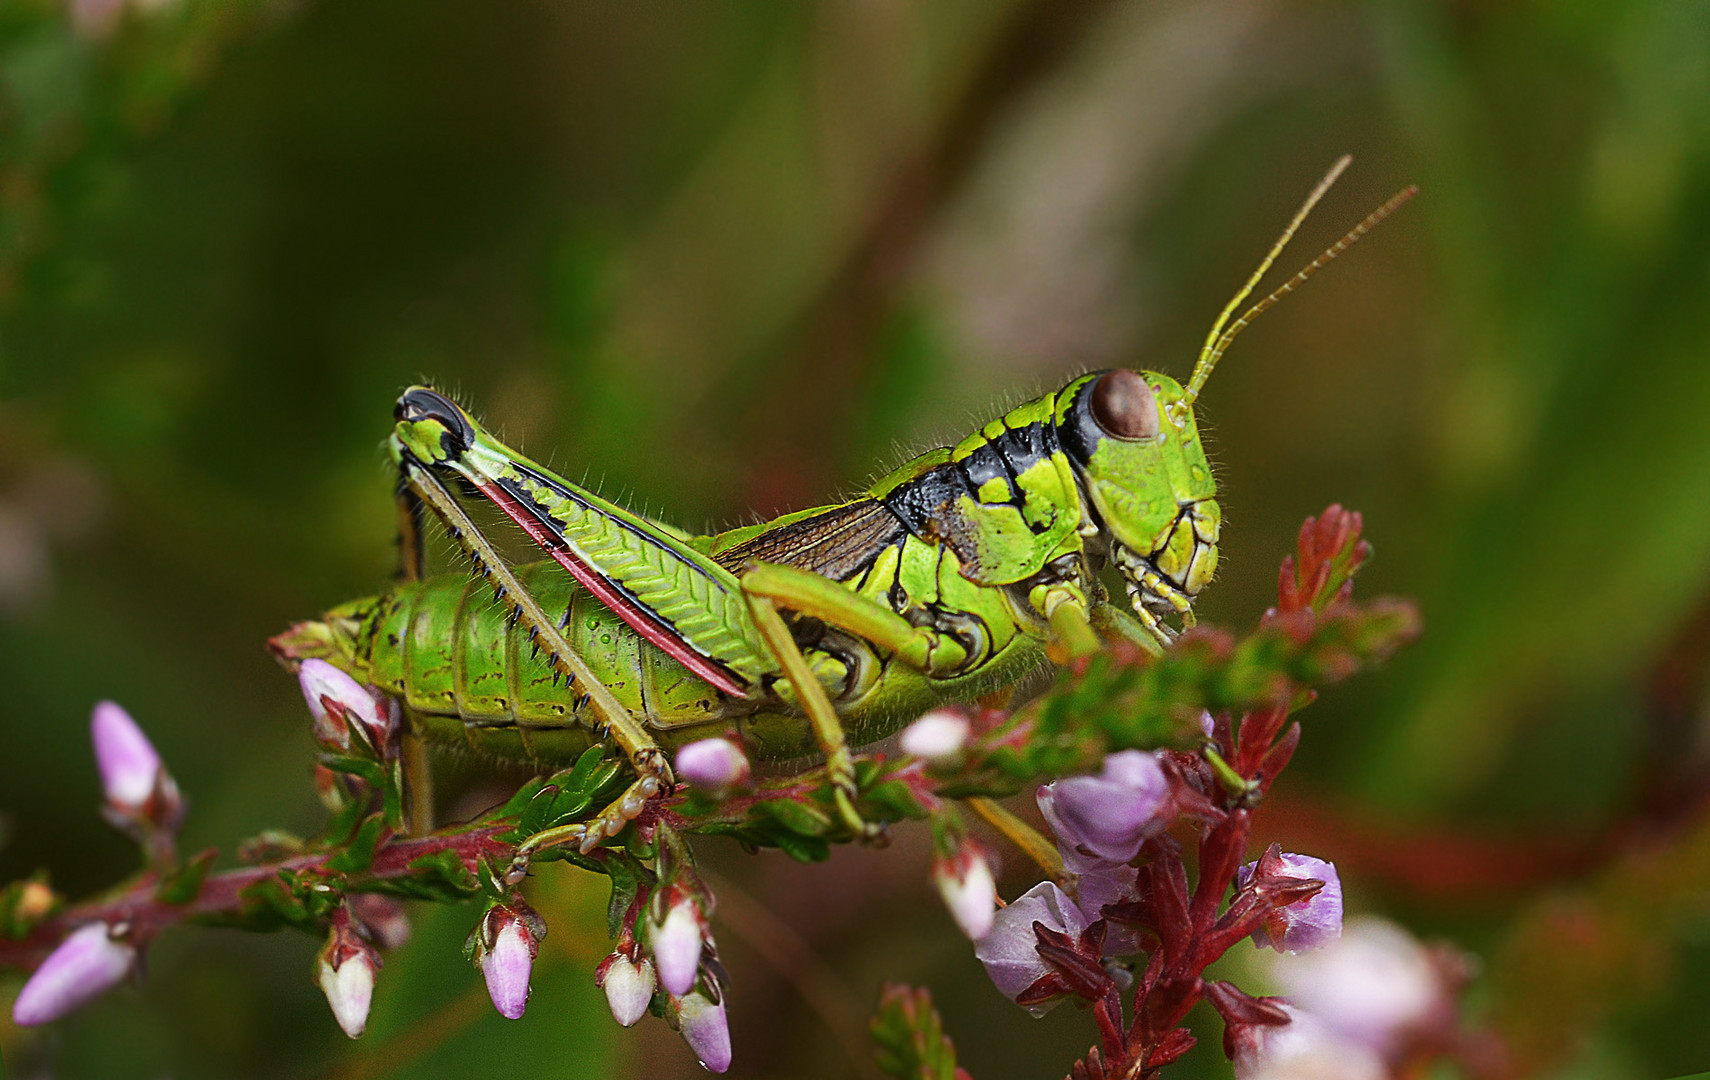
column 1131, row 746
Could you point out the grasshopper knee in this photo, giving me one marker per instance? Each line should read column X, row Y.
column 420, row 406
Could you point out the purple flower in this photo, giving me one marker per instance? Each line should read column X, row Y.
column 1010, row 951
column 1371, row 987
column 677, row 947
column 507, row 948
column 1305, row 924
column 324, row 686
column 965, row 882
column 705, row 1029
column 714, row 765
column 938, row 736
column 87, row 964
column 1303, row 1047
column 1109, row 883
column 628, row 986
column 1105, row 818
column 345, row 971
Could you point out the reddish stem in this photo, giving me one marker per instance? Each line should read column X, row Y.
column 137, row 904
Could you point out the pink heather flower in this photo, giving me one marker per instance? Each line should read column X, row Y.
column 677, row 947
column 938, row 736
column 1105, row 818
column 137, row 785
column 705, row 1029
column 322, row 682
column 345, row 971
column 1371, row 987
column 1305, row 1048
column 1010, row 951
column 965, row 882
column 1306, row 924
column 712, row 764
column 88, row 963
column 628, row 986
column 508, row 948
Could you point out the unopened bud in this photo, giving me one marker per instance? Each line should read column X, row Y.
column 713, row 764
column 937, row 736
column 345, row 970
column 628, row 986
column 509, row 942
column 333, row 695
column 141, row 794
column 706, row 1029
column 677, row 947
column 89, row 962
column 965, row 882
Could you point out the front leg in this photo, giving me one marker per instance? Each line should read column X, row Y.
column 770, row 587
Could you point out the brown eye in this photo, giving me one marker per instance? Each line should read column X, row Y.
column 1123, row 406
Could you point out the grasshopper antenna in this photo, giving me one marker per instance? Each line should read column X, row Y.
column 1219, row 338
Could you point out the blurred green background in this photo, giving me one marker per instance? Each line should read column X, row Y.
column 735, row 258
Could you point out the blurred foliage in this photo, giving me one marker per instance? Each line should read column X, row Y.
column 726, row 257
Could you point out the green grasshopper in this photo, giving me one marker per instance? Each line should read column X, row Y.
column 952, row 577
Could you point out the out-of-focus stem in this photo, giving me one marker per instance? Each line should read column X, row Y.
column 1023, row 836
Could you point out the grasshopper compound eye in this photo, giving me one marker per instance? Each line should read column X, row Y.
column 1123, row 407
column 419, row 405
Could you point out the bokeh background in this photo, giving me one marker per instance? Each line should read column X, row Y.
column 736, row 258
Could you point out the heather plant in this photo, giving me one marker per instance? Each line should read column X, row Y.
column 1146, row 766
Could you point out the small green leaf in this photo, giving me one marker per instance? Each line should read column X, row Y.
column 445, row 868
column 539, row 809
column 797, row 816
column 807, row 849
column 581, row 776
column 358, row 855
column 271, row 902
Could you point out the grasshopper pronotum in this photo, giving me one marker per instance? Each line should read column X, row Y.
column 956, row 574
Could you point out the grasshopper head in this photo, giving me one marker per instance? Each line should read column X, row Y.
column 1133, row 439
column 1151, row 492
